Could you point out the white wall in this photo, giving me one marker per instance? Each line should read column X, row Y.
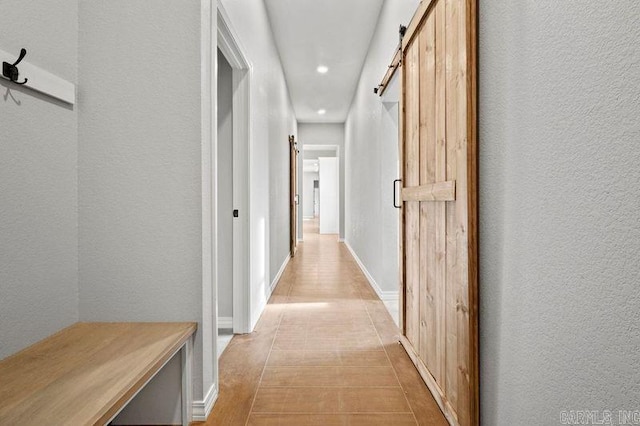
column 272, row 120
column 38, row 179
column 329, row 172
column 314, row 155
column 559, row 203
column 307, row 193
column 142, row 148
column 224, row 171
column 372, row 158
column 325, row 134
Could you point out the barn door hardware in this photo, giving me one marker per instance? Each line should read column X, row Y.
column 11, row 72
column 402, row 31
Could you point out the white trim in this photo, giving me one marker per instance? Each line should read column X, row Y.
column 208, row 119
column 225, row 322
column 262, row 303
column 300, row 240
column 385, row 296
column 319, row 147
column 259, row 309
column 274, row 283
column 39, row 80
column 341, row 240
column 202, row 409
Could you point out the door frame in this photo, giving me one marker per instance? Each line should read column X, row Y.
column 241, row 71
column 341, row 182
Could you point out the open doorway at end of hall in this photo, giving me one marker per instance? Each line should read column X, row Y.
column 321, row 190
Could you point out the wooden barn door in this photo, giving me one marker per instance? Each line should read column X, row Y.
column 294, row 197
column 438, row 151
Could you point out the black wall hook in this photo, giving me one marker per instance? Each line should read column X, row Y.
column 11, row 70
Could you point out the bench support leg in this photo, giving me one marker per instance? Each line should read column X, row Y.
column 186, row 355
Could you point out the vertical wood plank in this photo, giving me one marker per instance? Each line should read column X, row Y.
column 440, row 209
column 412, row 175
column 429, row 287
column 293, row 189
column 462, row 306
column 471, row 35
column 401, row 226
column 401, row 235
column 451, row 65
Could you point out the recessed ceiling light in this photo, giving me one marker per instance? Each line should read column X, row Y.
column 322, row 111
column 322, row 69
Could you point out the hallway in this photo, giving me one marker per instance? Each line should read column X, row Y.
column 325, row 352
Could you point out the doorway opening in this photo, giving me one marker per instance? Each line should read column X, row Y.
column 224, row 172
column 321, row 189
column 232, row 186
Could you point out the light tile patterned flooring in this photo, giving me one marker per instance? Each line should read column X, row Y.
column 325, row 352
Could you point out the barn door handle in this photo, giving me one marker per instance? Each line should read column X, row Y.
column 395, row 187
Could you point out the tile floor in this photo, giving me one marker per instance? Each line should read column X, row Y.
column 325, row 352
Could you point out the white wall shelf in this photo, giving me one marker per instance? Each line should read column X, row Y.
column 40, row 80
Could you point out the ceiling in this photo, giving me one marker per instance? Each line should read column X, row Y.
column 332, row 33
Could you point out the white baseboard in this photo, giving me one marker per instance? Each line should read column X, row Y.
column 341, row 240
column 202, row 409
column 225, row 322
column 257, row 312
column 274, row 283
column 385, row 296
column 262, row 303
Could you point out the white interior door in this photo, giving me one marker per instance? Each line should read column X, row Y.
column 329, row 195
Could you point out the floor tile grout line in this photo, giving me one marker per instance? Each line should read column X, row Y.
column 264, row 367
column 395, row 373
column 332, row 366
column 333, row 387
column 332, row 413
column 357, row 287
column 275, row 335
column 386, row 353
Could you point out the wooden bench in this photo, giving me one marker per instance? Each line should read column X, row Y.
column 87, row 373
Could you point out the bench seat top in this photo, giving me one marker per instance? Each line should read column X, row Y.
column 85, row 373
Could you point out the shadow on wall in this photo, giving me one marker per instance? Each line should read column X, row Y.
column 16, row 93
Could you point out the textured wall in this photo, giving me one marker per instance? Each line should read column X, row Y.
column 225, row 187
column 139, row 165
column 272, row 120
column 38, row 179
column 559, row 194
column 372, row 156
column 325, row 134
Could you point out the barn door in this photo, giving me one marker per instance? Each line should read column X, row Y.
column 294, row 197
column 438, row 151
